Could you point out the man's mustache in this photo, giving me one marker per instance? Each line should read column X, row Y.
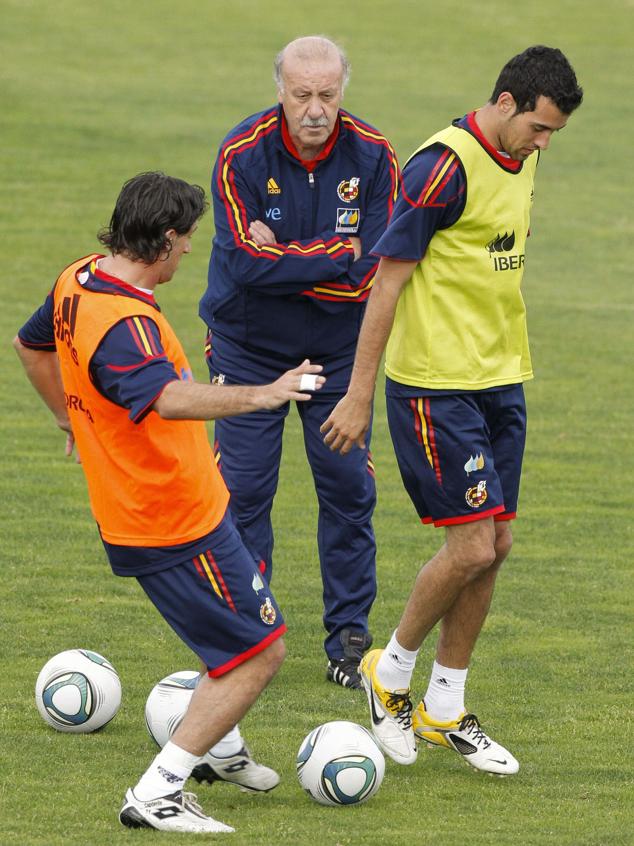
column 322, row 121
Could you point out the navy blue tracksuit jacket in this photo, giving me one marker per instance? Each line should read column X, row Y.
column 269, row 307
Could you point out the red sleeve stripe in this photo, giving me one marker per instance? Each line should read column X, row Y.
column 336, row 291
column 138, row 417
column 331, row 247
column 236, row 212
column 46, row 347
column 150, row 335
column 135, row 337
column 432, row 176
column 429, row 193
column 120, row 368
column 448, row 174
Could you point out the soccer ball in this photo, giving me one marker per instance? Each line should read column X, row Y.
column 78, row 691
column 167, row 703
column 339, row 763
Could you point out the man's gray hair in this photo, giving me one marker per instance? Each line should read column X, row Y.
column 309, row 48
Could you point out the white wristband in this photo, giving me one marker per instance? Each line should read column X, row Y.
column 308, row 382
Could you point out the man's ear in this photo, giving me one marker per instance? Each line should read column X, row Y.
column 506, row 104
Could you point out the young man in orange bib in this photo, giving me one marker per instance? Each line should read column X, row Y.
column 110, row 368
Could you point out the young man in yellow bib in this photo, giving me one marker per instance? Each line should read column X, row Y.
column 447, row 304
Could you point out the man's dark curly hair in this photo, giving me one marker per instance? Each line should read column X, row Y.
column 149, row 204
column 539, row 71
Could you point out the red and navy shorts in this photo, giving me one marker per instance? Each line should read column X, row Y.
column 460, row 455
column 218, row 602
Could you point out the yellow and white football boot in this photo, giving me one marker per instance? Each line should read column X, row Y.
column 466, row 737
column 390, row 713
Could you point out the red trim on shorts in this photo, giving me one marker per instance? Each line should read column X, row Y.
column 465, row 518
column 510, row 515
column 432, row 439
column 417, row 428
column 262, row 566
column 244, row 656
column 221, row 581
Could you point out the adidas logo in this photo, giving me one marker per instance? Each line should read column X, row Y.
column 272, row 187
column 443, row 682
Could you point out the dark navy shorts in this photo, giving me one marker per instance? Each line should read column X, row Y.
column 218, row 602
column 460, row 455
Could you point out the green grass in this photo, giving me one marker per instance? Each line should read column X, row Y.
column 93, row 93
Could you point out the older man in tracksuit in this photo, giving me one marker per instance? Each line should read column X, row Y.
column 301, row 192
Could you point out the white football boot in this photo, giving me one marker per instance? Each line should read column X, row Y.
column 466, row 737
column 239, row 769
column 390, row 713
column 179, row 812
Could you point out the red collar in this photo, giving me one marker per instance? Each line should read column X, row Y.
column 505, row 161
column 104, row 281
column 292, row 149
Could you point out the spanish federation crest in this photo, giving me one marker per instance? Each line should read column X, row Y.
column 348, row 189
column 477, row 495
column 268, row 614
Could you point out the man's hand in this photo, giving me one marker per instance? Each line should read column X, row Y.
column 64, row 425
column 347, row 425
column 356, row 246
column 291, row 386
column 261, row 234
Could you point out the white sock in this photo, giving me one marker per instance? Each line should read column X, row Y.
column 229, row 745
column 444, row 700
column 167, row 773
column 395, row 666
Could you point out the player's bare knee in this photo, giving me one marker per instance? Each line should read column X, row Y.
column 503, row 542
column 480, row 559
column 471, row 549
column 275, row 654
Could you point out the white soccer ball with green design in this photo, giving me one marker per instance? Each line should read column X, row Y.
column 78, row 691
column 339, row 763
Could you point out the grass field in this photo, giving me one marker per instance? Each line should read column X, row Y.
column 93, row 93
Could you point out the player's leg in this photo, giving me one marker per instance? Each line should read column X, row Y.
column 346, row 494
column 463, row 621
column 465, row 559
column 230, row 760
column 441, row 717
column 222, row 608
column 505, row 415
column 441, row 447
column 219, row 703
column 466, row 554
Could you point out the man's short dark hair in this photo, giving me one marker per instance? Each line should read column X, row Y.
column 539, row 71
column 149, row 204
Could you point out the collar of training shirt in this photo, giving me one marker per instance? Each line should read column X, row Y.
column 470, row 124
column 94, row 279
